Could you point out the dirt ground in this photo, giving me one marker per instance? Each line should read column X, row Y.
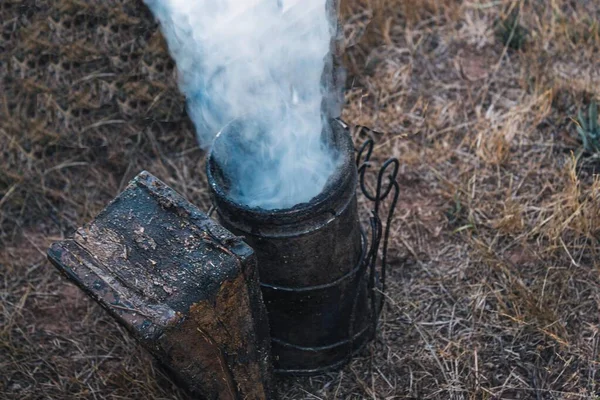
column 494, row 281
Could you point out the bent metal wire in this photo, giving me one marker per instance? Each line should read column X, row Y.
column 377, row 231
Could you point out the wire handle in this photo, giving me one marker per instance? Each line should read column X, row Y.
column 388, row 172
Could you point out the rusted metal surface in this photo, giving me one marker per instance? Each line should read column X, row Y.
column 185, row 287
column 311, row 265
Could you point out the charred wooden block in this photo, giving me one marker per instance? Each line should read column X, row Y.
column 184, row 286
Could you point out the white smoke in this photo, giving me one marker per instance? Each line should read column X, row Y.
column 263, row 61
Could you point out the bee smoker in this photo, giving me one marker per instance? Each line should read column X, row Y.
column 317, row 270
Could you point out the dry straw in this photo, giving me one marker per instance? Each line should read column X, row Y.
column 501, row 301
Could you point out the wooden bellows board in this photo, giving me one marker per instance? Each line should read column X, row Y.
column 185, row 287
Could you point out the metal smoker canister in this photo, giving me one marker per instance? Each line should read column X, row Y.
column 311, row 260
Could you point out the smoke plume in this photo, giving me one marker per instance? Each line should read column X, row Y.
column 261, row 62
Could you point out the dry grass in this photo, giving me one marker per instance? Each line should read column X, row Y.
column 495, row 284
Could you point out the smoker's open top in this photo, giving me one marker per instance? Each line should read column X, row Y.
column 342, row 181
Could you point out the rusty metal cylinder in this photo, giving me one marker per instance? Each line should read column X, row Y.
column 311, row 263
